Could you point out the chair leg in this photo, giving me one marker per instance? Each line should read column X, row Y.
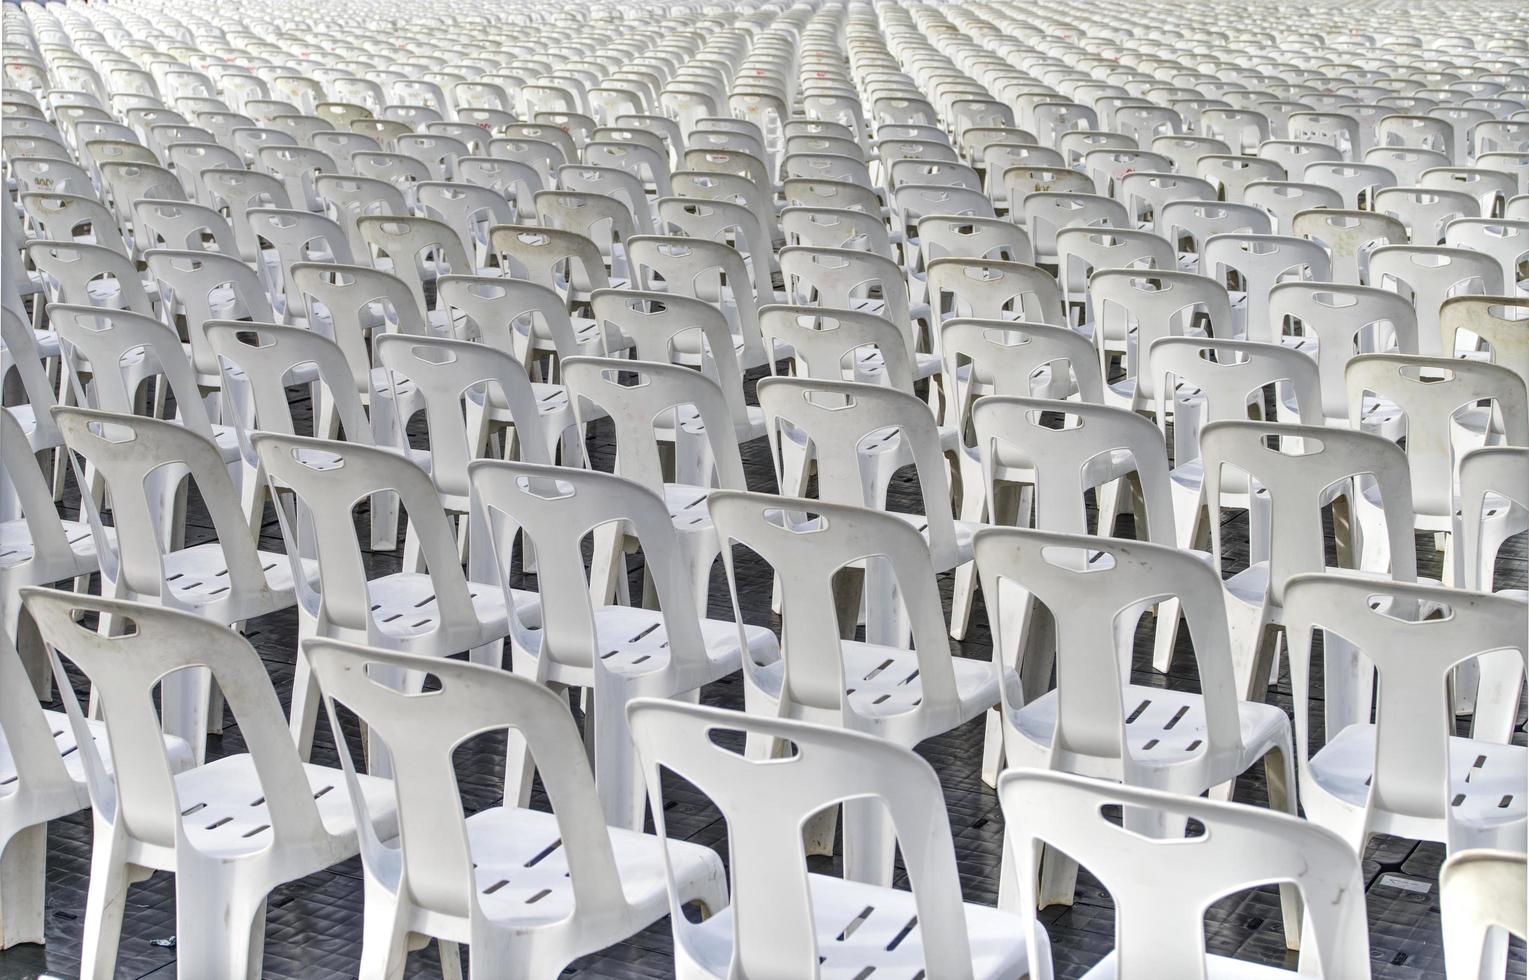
column 993, row 755
column 451, row 959
column 23, row 878
column 105, row 900
column 618, row 774
column 305, row 698
column 1279, row 773
column 383, row 947
column 1059, row 879
column 870, row 846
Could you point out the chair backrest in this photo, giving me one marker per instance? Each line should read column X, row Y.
column 1091, row 586
column 1262, row 261
column 1498, row 471
column 972, row 237
column 1012, row 431
column 458, row 381
column 1201, row 220
column 841, row 278
column 47, row 542
column 991, row 290
column 1413, row 635
column 617, row 185
column 347, row 197
column 1158, row 303
column 269, row 358
column 831, row 344
column 1349, row 236
column 143, row 462
column 1502, row 323
column 18, row 352
column 61, row 217
column 201, row 284
column 707, row 270
column 1080, row 250
column 765, row 803
column 240, row 192
column 433, row 862
column 1431, row 391
column 137, row 791
column 663, row 326
column 844, row 228
column 1048, row 212
column 1505, row 240
column 69, row 268
column 1426, row 210
column 1429, row 274
column 1162, row 887
column 1480, row 891
column 805, row 542
column 1295, row 465
column 408, row 243
column 729, row 223
column 553, row 257
column 844, row 419
column 556, row 508
column 182, row 225
column 329, row 478
column 659, row 391
column 1344, row 320
column 1004, row 356
column 106, row 341
column 347, row 294
column 1226, row 379
column 296, row 236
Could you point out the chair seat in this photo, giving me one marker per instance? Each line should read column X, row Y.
column 198, row 575
column 1489, row 794
column 226, row 816
column 965, row 531
column 1166, row 728
column 633, row 640
column 177, row 750
column 404, row 606
column 47, row 343
column 521, row 871
column 690, row 422
column 16, row 544
column 882, row 681
column 866, row 930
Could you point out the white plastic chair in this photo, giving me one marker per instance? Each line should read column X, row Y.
column 1091, row 591
column 1406, row 774
column 1430, row 275
column 858, row 436
column 1162, row 888
column 615, row 652
column 529, row 891
column 902, row 695
column 1437, row 397
column 1298, row 470
column 1210, row 380
column 39, row 547
column 436, row 612
column 783, row 920
column 230, row 830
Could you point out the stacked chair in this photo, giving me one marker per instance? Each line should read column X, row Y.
column 444, row 370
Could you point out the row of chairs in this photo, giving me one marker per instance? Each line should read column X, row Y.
column 921, row 232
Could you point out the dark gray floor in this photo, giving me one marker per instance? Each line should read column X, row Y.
column 314, row 925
